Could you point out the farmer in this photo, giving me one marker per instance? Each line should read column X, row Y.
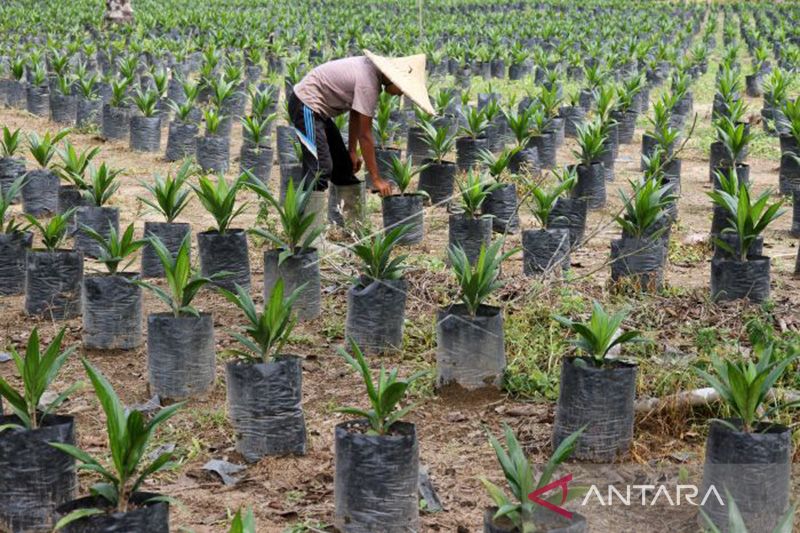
column 351, row 84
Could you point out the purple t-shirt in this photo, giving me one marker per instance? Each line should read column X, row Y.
column 341, row 85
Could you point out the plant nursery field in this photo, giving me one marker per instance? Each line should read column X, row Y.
column 589, row 263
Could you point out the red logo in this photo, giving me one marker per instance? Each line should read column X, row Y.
column 562, row 482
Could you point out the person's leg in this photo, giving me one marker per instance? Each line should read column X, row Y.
column 315, row 169
column 342, row 171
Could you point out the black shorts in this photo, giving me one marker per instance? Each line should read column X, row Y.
column 333, row 163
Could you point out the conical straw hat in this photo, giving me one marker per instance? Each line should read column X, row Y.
column 408, row 74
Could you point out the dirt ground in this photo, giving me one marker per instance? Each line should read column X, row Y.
column 289, row 491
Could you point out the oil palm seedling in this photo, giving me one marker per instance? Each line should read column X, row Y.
column 639, row 255
column 116, row 113
column 591, row 184
column 183, row 129
column 263, row 102
column 565, row 211
column 470, row 227
column 63, row 101
column 776, row 88
column 659, row 133
column 759, row 447
column 729, row 86
column 183, row 337
column 42, row 476
column 519, row 512
column 734, row 140
column 472, row 139
column 53, row 276
column 415, row 143
column 502, row 203
column 72, row 171
column 759, row 66
column 112, row 305
column 264, row 379
column 169, row 196
column 572, row 113
column 11, row 167
column 386, row 131
column 439, row 174
column 546, row 249
column 596, row 391
column 145, row 127
column 256, row 153
column 38, row 92
column 627, row 109
column 377, row 453
column 742, row 274
column 16, row 94
column 15, row 241
column 40, row 192
column 470, row 341
column 294, row 259
column 789, row 171
column 526, row 158
column 605, row 103
column 542, row 135
column 376, row 302
column 222, row 248
column 117, row 500
column 404, row 208
column 95, row 213
column 213, row 148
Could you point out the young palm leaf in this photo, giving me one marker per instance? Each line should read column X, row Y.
column 591, row 142
column 102, row 184
column 438, row 140
column 115, row 248
column 474, row 191
column 477, row 282
column 183, row 283
column 496, row 165
column 10, row 142
column 521, row 479
column 600, row 334
column 298, row 236
column 475, row 123
column 243, row 522
column 220, row 199
column 169, row 195
column 54, row 231
column 74, row 164
column 146, row 102
column 44, row 148
column 37, row 370
column 384, row 396
column 403, row 172
column 544, row 199
column 129, row 434
column 267, row 331
column 7, row 195
column 375, row 252
column 736, row 523
column 748, row 218
column 744, row 385
column 645, row 208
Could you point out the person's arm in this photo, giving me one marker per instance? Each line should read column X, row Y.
column 367, row 144
column 354, row 129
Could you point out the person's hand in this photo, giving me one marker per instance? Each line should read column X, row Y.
column 356, row 162
column 382, row 186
